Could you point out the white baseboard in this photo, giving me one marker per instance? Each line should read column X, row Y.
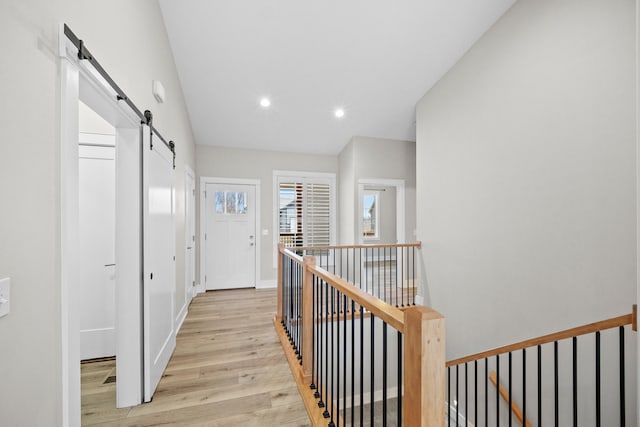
column 97, row 343
column 182, row 315
column 267, row 284
column 199, row 289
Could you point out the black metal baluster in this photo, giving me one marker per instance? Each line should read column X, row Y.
column 337, row 326
column 497, row 390
column 510, row 412
column 298, row 312
column 344, row 359
column 323, row 341
column 384, row 374
column 318, row 328
column 622, row 385
column 575, row 381
column 334, row 260
column 539, row 385
column 413, row 278
column 333, row 361
column 313, row 335
column 373, row 370
column 524, row 386
column 353, row 361
column 360, row 266
column 364, row 264
column 402, row 274
column 486, row 391
column 457, row 401
column 347, row 275
column 384, row 273
column 399, row 378
column 449, row 396
column 326, row 352
column 475, row 392
column 396, row 282
column 555, row 376
column 598, row 408
column 466, row 406
column 378, row 265
column 361, row 366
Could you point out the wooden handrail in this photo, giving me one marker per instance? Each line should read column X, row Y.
column 388, row 313
column 505, row 396
column 295, row 257
column 627, row 319
column 369, row 246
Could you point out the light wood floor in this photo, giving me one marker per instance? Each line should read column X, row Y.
column 228, row 369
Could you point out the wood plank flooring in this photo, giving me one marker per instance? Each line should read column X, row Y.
column 228, row 369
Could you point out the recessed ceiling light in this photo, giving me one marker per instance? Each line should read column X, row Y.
column 339, row 113
column 265, row 102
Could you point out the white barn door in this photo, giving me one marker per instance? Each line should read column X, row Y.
column 159, row 259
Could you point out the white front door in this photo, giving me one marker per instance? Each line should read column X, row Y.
column 96, row 228
column 230, row 236
column 159, row 260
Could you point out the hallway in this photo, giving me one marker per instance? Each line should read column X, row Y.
column 228, row 369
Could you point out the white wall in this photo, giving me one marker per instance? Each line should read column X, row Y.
column 129, row 40
column 348, row 195
column 526, row 175
column 256, row 164
column 375, row 158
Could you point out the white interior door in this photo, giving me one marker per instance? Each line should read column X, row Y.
column 159, row 260
column 96, row 227
column 230, row 218
column 190, row 234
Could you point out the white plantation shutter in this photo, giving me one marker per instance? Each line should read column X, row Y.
column 305, row 211
column 317, row 215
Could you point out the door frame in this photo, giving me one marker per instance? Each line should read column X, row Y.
column 79, row 82
column 190, row 290
column 400, row 204
column 204, row 180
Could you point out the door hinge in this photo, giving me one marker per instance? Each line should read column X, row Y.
column 193, row 283
column 205, row 236
column 193, row 191
column 193, row 238
column 205, row 278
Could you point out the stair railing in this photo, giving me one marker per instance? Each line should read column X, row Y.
column 387, row 271
column 556, row 379
column 356, row 358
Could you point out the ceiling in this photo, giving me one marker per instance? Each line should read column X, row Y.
column 373, row 58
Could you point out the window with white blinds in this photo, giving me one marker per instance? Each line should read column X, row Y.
column 305, row 209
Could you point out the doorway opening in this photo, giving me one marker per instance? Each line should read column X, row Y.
column 381, row 211
column 96, row 244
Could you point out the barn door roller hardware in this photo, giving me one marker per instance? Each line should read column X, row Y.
column 146, row 117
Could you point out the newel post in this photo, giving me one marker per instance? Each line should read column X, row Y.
column 280, row 282
column 307, row 317
column 425, row 371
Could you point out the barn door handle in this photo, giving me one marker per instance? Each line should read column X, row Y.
column 109, row 265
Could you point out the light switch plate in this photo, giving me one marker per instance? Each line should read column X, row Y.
column 5, row 297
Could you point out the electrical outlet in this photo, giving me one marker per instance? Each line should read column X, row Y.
column 5, row 297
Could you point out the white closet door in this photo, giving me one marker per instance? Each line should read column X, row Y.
column 96, row 228
column 159, row 259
